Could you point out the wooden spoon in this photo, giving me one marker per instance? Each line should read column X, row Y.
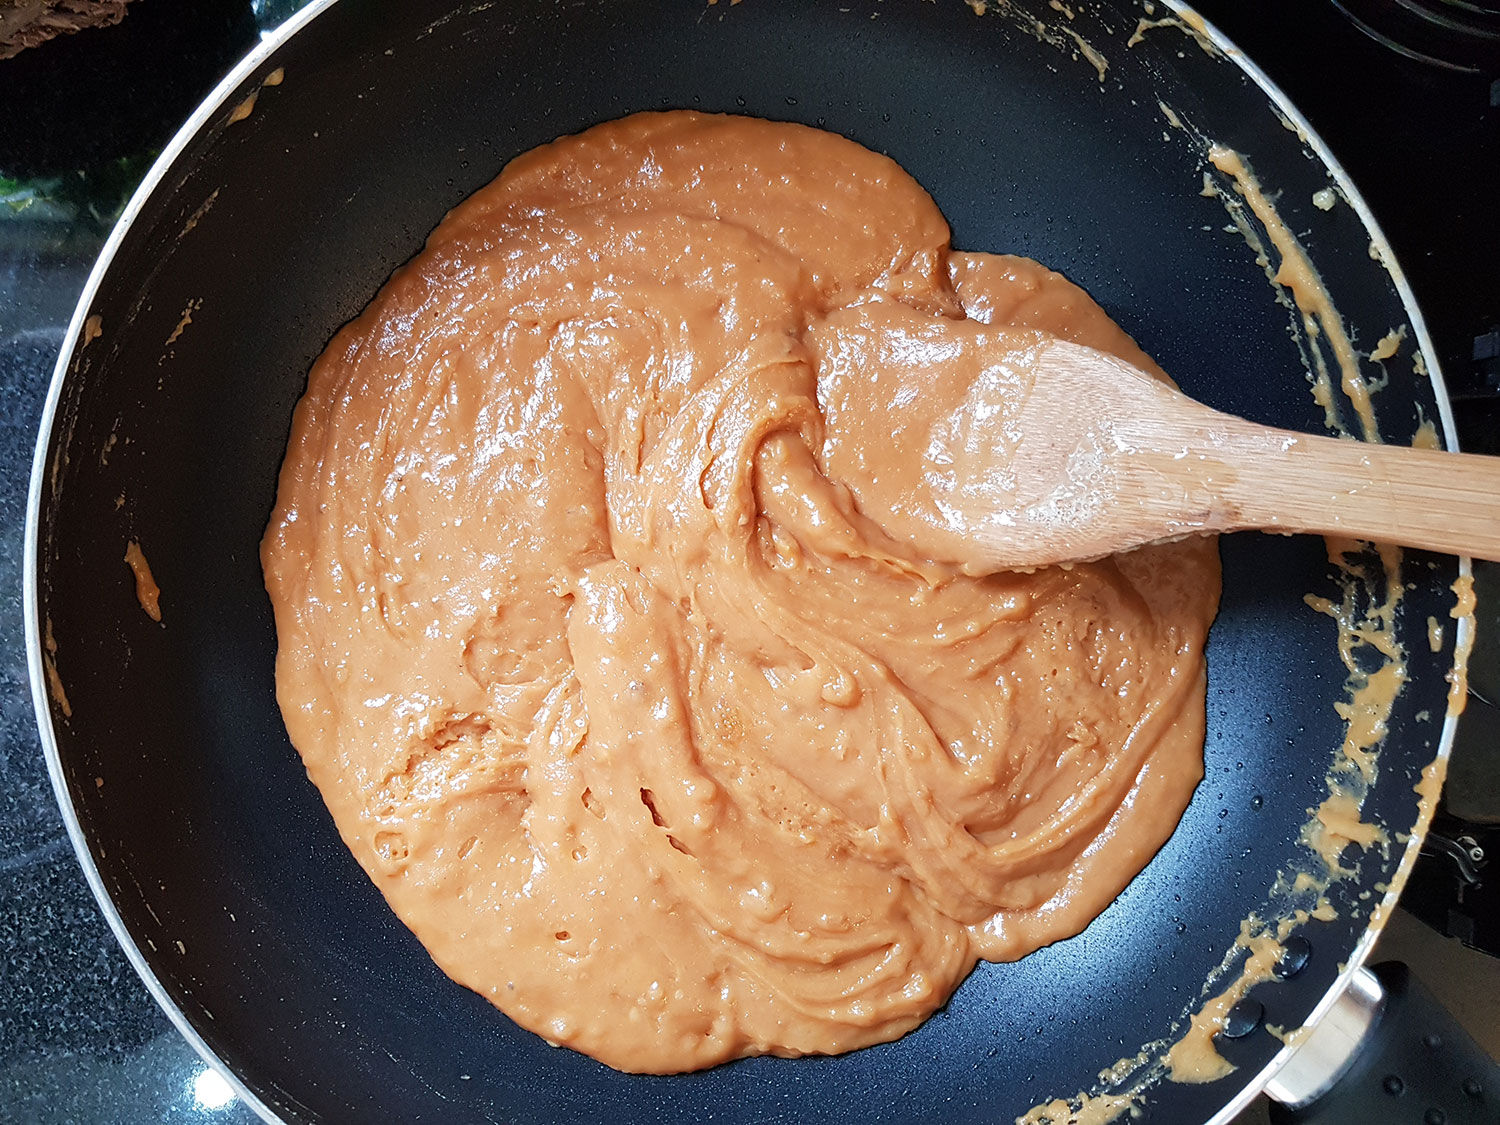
column 1096, row 457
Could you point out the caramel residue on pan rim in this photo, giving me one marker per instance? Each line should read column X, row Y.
column 1389, row 344
column 93, row 328
column 1463, row 613
column 1335, row 825
column 1372, row 691
column 1192, row 1058
column 1365, row 616
column 197, row 216
column 1085, row 1109
column 146, row 590
column 1187, row 21
column 247, row 107
column 193, row 305
column 1291, row 126
column 1064, row 38
column 1094, row 57
column 1297, row 273
column 55, row 688
column 1293, row 1038
column 49, row 662
column 1429, row 788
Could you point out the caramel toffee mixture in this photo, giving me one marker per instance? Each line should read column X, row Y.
column 610, row 637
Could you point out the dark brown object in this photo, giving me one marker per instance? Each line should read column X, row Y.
column 25, row 23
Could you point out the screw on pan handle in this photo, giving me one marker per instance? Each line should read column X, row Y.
column 1411, row 1063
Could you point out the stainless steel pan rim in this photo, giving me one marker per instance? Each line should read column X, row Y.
column 227, row 93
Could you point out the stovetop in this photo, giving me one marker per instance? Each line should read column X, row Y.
column 1417, row 127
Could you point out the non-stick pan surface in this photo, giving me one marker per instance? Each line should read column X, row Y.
column 223, row 873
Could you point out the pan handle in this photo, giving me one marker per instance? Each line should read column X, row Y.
column 1389, row 1051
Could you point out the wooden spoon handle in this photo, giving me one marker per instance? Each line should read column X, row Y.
column 1424, row 498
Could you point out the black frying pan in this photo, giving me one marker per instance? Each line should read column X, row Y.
column 212, row 854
